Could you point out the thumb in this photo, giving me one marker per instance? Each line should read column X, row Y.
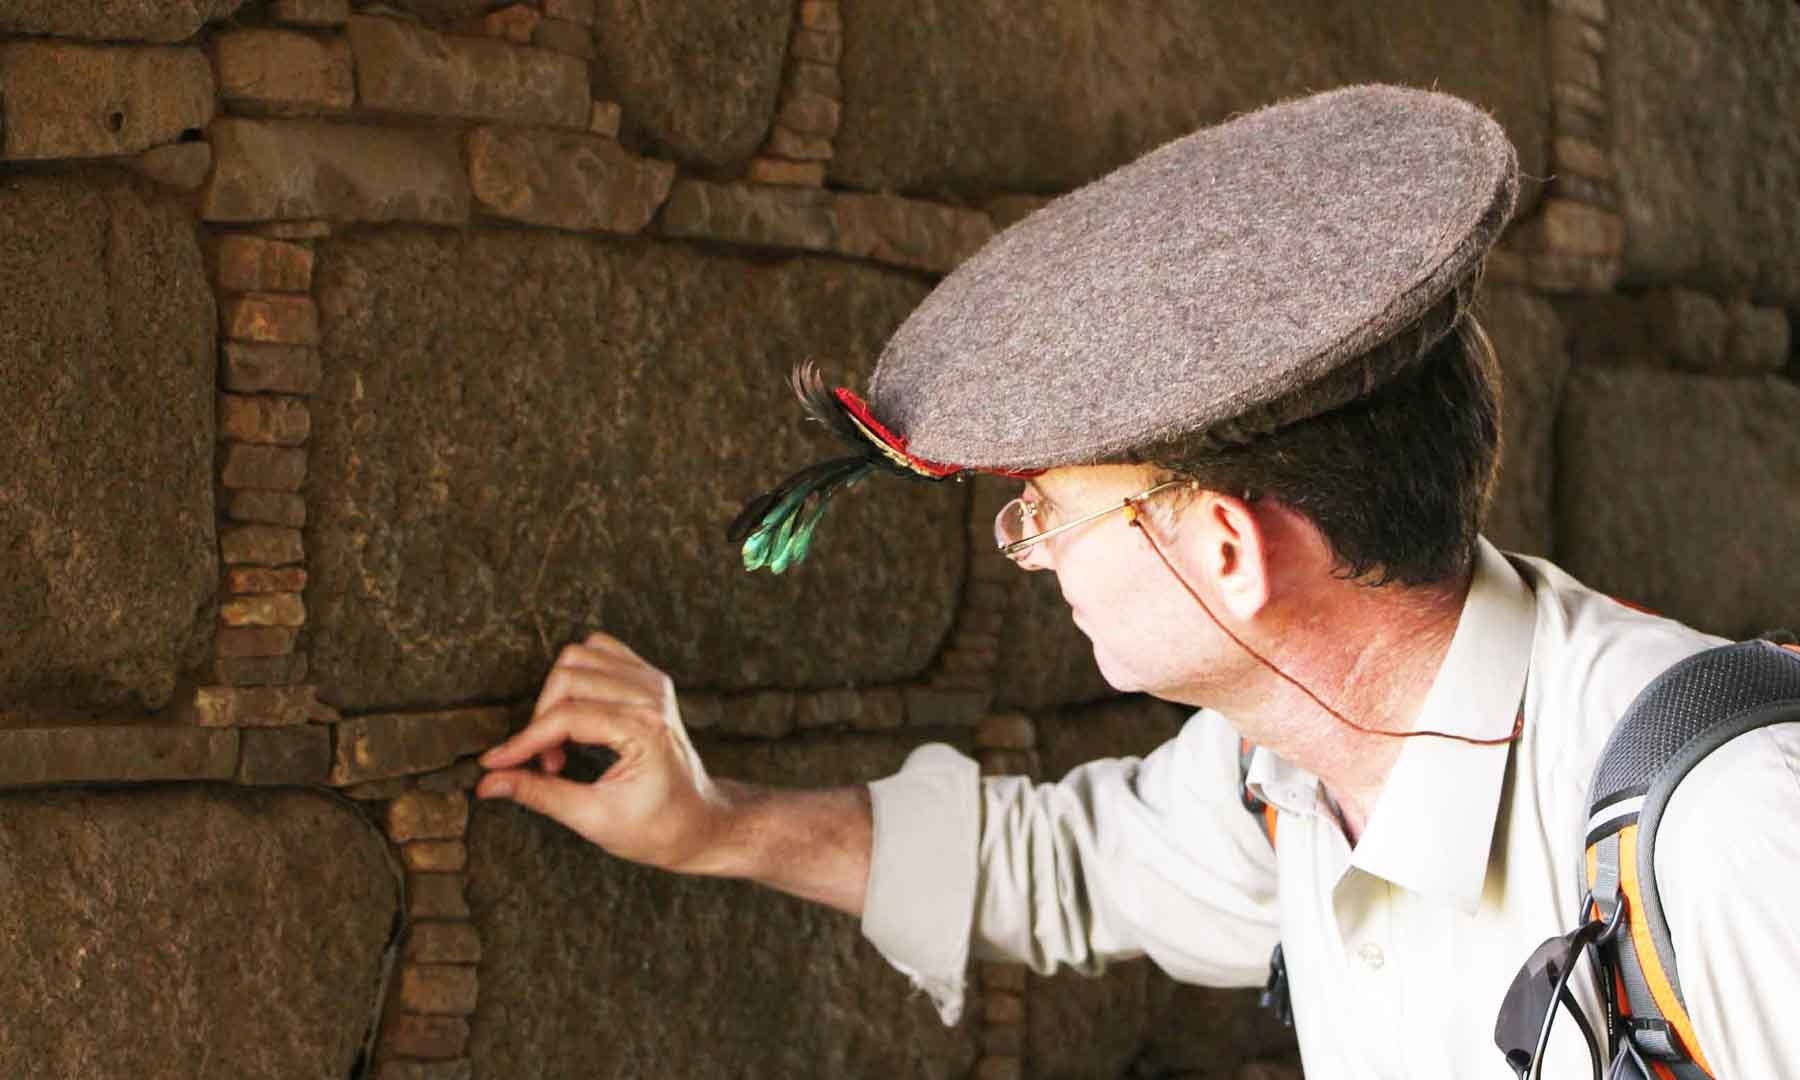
column 551, row 796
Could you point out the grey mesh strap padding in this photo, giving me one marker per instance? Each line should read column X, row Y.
column 1689, row 711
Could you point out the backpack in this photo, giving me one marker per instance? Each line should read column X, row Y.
column 1693, row 708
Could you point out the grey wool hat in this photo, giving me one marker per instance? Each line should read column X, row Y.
column 1237, row 279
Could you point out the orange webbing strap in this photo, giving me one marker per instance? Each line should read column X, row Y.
column 1649, row 961
column 1264, row 812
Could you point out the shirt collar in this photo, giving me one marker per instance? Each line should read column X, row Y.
column 1433, row 826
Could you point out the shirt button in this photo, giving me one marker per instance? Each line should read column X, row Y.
column 1371, row 955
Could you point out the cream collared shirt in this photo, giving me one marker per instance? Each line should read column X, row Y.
column 1399, row 949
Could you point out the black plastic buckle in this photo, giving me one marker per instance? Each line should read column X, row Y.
column 1276, row 995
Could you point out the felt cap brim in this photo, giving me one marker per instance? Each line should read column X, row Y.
column 1236, row 268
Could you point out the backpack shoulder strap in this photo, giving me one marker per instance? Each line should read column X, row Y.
column 1684, row 714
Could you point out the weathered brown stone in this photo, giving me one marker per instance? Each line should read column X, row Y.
column 564, row 36
column 182, row 166
column 767, row 170
column 435, row 856
column 425, row 1070
column 820, row 15
column 429, row 1037
column 818, row 46
column 257, row 706
column 1008, row 978
column 253, row 465
column 699, row 82
column 927, row 707
column 378, row 790
column 991, row 102
column 1702, row 96
column 811, row 114
column 443, row 943
column 245, row 263
column 806, row 77
column 1584, row 189
column 1573, row 63
column 282, row 71
column 1005, row 731
column 255, row 580
column 787, row 143
column 1010, row 763
column 1758, row 340
column 827, row 708
column 276, row 169
column 72, row 101
column 515, row 23
column 321, row 13
column 1005, row 1042
column 405, row 68
column 461, row 776
column 293, row 756
column 767, row 714
column 436, row 896
column 907, row 232
column 1528, row 338
column 1591, row 10
column 1005, row 210
column 1582, row 156
column 261, row 545
column 254, row 641
column 1638, row 517
column 999, row 1067
column 292, row 230
column 757, row 216
column 395, row 744
column 276, row 420
column 33, row 756
column 532, row 451
column 577, row 11
column 1557, row 272
column 136, row 925
column 427, row 815
column 116, row 20
column 1123, row 727
column 700, row 712
column 255, row 670
column 106, row 502
column 264, row 609
column 270, row 319
column 605, row 119
column 570, row 181
column 569, row 932
column 441, row 989
column 1002, row 1008
column 1663, row 328
column 1572, row 228
column 270, row 369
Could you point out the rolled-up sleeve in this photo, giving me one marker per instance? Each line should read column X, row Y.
column 1121, row 858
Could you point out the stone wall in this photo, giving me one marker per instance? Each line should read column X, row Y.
column 357, row 356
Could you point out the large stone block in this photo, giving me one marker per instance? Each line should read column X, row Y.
column 290, row 169
column 404, row 68
column 1528, row 338
column 1706, row 144
column 31, row 757
column 973, row 99
column 1682, row 493
column 113, row 20
column 594, row 967
column 76, row 101
column 752, row 214
column 699, row 82
column 106, row 385
column 137, row 929
column 564, row 179
column 596, row 412
column 1129, row 726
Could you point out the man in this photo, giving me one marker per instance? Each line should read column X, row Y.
column 1257, row 427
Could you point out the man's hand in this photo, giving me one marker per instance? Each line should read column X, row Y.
column 656, row 805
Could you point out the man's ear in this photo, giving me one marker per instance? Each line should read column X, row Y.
column 1237, row 554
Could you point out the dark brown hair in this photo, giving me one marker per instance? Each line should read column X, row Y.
column 1399, row 480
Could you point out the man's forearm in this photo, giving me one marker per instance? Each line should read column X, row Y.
column 813, row 844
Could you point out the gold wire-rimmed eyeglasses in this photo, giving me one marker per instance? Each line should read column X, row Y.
column 1022, row 513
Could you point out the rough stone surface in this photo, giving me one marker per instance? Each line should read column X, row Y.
column 591, row 966
column 1702, row 97
column 260, row 579
column 74, row 755
column 436, row 896
column 291, row 756
column 255, row 465
column 274, row 369
column 403, row 68
column 1124, row 727
column 62, row 101
column 1758, row 340
column 135, row 928
column 1528, row 338
column 748, row 214
column 182, row 166
column 259, row 706
column 382, row 745
column 970, row 99
column 589, row 427
column 1639, row 517
column 279, row 169
column 700, row 81
column 907, row 232
column 106, row 330
column 123, row 20
column 427, row 815
column 282, row 71
column 564, row 179
column 255, row 670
